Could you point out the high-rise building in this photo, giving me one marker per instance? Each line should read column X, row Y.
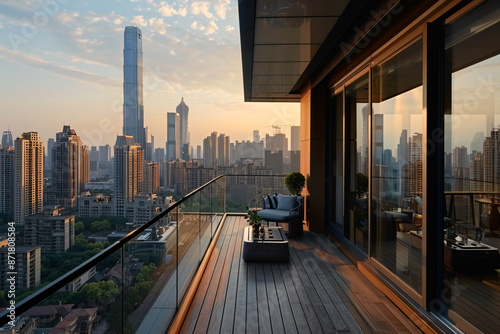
column 173, row 136
column 276, row 142
column 133, row 108
column 53, row 231
column 223, row 146
column 415, row 165
column 460, row 157
column 294, row 138
column 70, row 166
column 47, row 163
column 151, row 177
column 7, row 139
column 159, row 154
column 150, row 144
column 491, row 165
column 28, row 264
column 256, row 136
column 183, row 111
column 198, row 152
column 214, row 150
column 7, row 179
column 129, row 165
column 28, row 176
column 105, row 153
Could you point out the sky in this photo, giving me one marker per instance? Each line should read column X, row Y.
column 61, row 64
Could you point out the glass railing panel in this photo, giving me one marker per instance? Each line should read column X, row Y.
column 219, row 202
column 150, row 278
column 89, row 303
column 205, row 218
column 188, row 242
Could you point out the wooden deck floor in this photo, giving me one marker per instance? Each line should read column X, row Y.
column 318, row 291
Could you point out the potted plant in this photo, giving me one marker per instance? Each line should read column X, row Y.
column 254, row 219
column 295, row 182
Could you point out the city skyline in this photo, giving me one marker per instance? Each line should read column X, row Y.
column 71, row 67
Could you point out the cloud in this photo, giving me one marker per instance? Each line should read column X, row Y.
column 209, row 29
column 64, row 17
column 229, row 28
column 78, row 31
column 198, row 8
column 166, row 10
column 172, row 53
column 140, row 21
column 60, row 70
column 221, row 9
column 158, row 25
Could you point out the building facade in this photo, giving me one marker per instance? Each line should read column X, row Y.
column 71, row 166
column 129, row 167
column 173, row 136
column 183, row 111
column 53, row 231
column 133, row 107
column 28, row 176
column 27, row 266
column 7, row 179
column 7, row 139
column 387, row 90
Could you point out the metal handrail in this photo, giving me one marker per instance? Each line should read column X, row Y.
column 76, row 272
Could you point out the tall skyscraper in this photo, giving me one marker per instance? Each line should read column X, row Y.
column 7, row 139
column 7, row 179
column 70, row 166
column 183, row 111
column 133, row 108
column 129, row 165
column 28, row 176
column 173, row 136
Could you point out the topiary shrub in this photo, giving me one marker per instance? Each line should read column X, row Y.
column 295, row 182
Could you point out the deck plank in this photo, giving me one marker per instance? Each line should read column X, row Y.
column 232, row 288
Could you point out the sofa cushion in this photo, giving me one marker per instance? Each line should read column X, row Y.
column 267, row 202
column 286, row 203
column 274, row 215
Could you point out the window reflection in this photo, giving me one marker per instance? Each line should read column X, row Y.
column 472, row 168
column 397, row 164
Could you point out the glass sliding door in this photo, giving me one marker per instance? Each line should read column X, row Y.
column 397, row 164
column 471, row 233
column 357, row 112
column 335, row 131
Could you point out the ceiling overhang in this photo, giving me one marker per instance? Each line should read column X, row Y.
column 279, row 38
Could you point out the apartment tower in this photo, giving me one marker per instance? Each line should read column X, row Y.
column 70, row 170
column 28, row 176
column 129, row 165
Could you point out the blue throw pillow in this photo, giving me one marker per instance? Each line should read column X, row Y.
column 275, row 202
column 286, row 203
column 267, row 202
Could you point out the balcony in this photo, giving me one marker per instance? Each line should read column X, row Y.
column 143, row 282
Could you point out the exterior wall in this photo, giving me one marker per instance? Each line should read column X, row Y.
column 312, row 156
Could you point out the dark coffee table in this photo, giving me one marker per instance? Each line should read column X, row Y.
column 271, row 247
